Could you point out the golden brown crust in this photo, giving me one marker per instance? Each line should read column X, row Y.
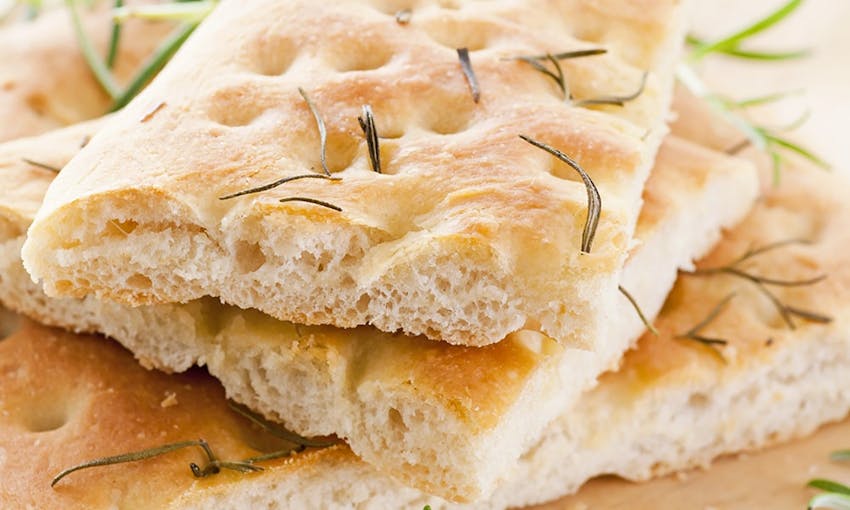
column 459, row 187
column 65, row 399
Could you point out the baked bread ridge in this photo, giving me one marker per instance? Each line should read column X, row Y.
column 39, row 58
column 382, row 393
column 406, row 253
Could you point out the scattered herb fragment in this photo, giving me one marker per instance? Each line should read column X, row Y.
column 594, row 200
column 323, row 133
column 45, row 166
column 153, row 111
column 275, row 184
column 762, row 283
column 711, row 343
column 469, row 73
column 616, row 100
column 637, row 308
column 367, row 124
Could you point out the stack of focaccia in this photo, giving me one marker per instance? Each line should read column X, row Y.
column 428, row 307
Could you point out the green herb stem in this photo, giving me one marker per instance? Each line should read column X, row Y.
column 732, row 41
column 114, row 38
column 153, row 65
column 98, row 67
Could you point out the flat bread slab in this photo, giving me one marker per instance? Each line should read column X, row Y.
column 398, row 400
column 467, row 233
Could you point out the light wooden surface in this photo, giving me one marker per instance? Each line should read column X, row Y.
column 774, row 478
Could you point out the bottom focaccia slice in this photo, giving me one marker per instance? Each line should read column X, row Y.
column 450, row 420
column 672, row 405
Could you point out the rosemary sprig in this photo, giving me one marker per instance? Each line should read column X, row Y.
column 760, row 137
column 536, row 61
column 367, row 124
column 323, row 133
column 730, row 45
column 787, row 312
column 155, row 452
column 42, row 165
column 275, row 184
column 594, row 200
column 640, row 313
column 469, row 73
column 712, row 343
column 213, row 464
column 616, row 100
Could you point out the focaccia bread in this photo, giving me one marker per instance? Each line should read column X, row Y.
column 672, row 405
column 463, row 233
column 44, row 81
column 449, row 419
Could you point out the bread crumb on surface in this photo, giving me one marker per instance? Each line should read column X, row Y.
column 169, row 400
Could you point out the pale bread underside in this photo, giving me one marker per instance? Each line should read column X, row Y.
column 470, row 234
column 385, row 393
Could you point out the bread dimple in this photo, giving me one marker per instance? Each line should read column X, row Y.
column 460, row 192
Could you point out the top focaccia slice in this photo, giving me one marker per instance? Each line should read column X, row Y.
column 468, row 233
column 45, row 82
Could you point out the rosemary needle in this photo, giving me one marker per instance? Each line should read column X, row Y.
column 101, row 72
column 272, row 185
column 367, row 124
column 153, row 64
column 311, row 201
column 637, row 308
column 711, row 343
column 42, row 165
column 730, row 43
column 594, row 200
column 557, row 76
column 323, row 133
column 469, row 73
column 616, row 100
column 114, row 37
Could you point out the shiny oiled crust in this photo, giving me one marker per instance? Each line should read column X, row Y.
column 44, row 81
column 469, row 234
